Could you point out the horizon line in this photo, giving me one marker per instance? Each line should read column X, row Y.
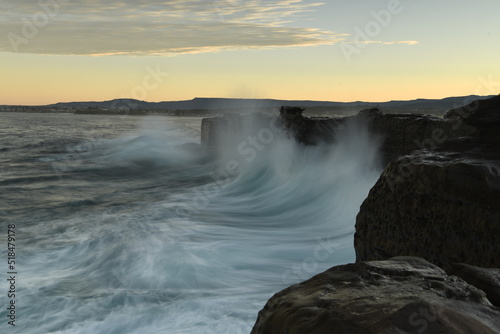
column 242, row 98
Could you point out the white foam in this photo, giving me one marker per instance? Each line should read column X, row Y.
column 284, row 216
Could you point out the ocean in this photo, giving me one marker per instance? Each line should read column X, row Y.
column 125, row 224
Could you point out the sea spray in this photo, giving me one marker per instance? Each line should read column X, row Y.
column 105, row 248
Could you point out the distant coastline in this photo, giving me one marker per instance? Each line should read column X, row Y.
column 326, row 111
column 222, row 106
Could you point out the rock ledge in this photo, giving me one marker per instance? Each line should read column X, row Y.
column 400, row 295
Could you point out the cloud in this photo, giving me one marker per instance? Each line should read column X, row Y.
column 402, row 42
column 385, row 43
column 156, row 27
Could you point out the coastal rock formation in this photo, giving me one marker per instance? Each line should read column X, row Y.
column 486, row 279
column 400, row 133
column 400, row 295
column 481, row 114
column 442, row 204
column 405, row 133
column 291, row 112
column 309, row 131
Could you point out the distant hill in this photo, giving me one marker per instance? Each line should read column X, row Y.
column 210, row 106
column 222, row 103
column 196, row 104
column 441, row 104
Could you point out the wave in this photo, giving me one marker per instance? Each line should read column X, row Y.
column 175, row 239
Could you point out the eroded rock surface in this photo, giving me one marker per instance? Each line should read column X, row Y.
column 442, row 206
column 400, row 295
column 443, row 203
column 486, row 279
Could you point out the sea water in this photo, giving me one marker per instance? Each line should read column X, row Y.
column 127, row 225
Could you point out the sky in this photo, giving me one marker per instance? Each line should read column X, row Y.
column 340, row 50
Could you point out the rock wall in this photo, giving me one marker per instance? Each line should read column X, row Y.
column 443, row 206
column 401, row 134
column 400, row 295
column 404, row 134
column 443, row 203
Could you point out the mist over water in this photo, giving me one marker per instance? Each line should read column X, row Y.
column 136, row 229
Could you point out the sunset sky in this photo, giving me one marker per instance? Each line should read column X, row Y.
column 341, row 50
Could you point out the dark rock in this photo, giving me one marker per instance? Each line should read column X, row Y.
column 400, row 295
column 405, row 133
column 371, row 113
column 482, row 114
column 441, row 203
column 478, row 113
column 486, row 279
column 401, row 133
column 290, row 112
column 313, row 131
column 309, row 131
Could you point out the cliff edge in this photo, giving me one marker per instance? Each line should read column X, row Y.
column 442, row 203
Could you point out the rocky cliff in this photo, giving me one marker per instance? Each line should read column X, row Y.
column 406, row 133
column 441, row 203
column 401, row 133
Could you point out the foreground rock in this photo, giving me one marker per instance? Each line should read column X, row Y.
column 442, row 204
column 400, row 295
column 486, row 279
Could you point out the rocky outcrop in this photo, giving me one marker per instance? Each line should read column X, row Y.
column 405, row 133
column 478, row 113
column 401, row 133
column 443, row 203
column 486, row 279
column 287, row 112
column 484, row 115
column 306, row 130
column 400, row 295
